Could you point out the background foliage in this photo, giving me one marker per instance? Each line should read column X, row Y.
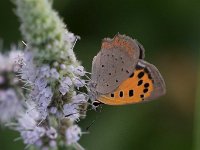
column 170, row 33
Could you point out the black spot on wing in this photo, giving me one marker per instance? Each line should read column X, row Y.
column 130, row 93
column 140, row 82
column 149, row 74
column 140, row 75
column 146, row 85
column 145, row 90
column 121, row 93
column 112, row 95
column 131, row 75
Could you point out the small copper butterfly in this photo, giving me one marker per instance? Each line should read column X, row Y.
column 120, row 75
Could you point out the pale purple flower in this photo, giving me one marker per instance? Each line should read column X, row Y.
column 71, row 111
column 30, row 131
column 28, row 70
column 27, row 122
column 43, row 112
column 64, row 89
column 53, row 110
column 43, row 98
column 72, row 134
column 52, row 143
column 3, row 62
column 65, row 84
column 63, row 66
column 54, row 73
column 39, row 143
column 79, row 71
column 52, row 133
column 32, row 112
column 28, row 126
column 16, row 58
column 78, row 82
column 45, row 71
column 10, row 105
column 32, row 136
column 69, row 37
column 66, row 81
column 41, row 83
column 10, row 62
column 47, row 92
column 79, row 98
column 59, row 114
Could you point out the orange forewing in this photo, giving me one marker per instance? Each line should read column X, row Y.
column 133, row 90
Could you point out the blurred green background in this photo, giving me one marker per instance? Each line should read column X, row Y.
column 170, row 33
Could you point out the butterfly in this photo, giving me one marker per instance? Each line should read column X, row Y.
column 120, row 75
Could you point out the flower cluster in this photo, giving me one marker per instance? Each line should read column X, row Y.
column 42, row 136
column 53, row 91
column 52, row 80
